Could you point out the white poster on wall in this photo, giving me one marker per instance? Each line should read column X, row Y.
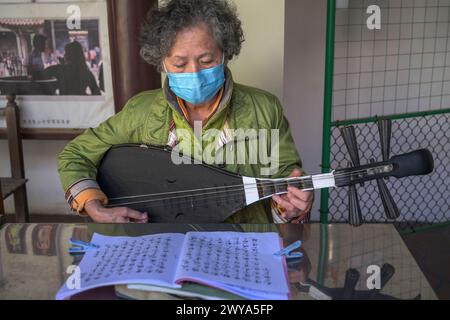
column 55, row 57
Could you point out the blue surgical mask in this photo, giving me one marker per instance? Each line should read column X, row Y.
column 197, row 87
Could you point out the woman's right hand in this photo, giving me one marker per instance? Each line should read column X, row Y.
column 100, row 214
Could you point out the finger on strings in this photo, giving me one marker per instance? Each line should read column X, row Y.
column 298, row 203
column 285, row 204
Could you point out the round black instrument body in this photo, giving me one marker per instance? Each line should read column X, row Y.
column 145, row 178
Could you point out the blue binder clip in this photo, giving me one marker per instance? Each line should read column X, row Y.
column 287, row 252
column 81, row 247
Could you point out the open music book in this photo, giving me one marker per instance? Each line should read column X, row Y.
column 243, row 264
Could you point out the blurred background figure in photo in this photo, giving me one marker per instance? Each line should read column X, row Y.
column 101, row 77
column 37, row 59
column 93, row 58
column 74, row 76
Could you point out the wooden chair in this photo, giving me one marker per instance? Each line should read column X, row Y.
column 16, row 184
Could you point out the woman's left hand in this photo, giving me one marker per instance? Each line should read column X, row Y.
column 296, row 203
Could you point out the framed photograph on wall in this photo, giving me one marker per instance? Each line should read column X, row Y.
column 55, row 56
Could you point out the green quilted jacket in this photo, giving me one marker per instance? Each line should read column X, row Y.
column 147, row 118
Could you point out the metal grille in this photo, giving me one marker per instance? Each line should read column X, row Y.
column 404, row 67
column 421, row 199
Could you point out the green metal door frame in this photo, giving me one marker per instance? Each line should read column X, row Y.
column 327, row 118
column 328, row 104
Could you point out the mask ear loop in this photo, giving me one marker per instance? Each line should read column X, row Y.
column 164, row 65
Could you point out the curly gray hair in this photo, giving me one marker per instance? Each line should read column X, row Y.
column 163, row 24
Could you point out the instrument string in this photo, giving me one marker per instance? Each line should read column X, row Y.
column 240, row 186
column 228, row 190
column 179, row 201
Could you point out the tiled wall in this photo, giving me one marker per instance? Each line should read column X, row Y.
column 402, row 68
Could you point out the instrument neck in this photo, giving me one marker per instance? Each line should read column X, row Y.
column 269, row 187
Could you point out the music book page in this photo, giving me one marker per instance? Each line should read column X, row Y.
column 240, row 263
column 233, row 261
column 148, row 259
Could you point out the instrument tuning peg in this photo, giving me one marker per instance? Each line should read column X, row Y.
column 390, row 208
column 349, row 136
column 385, row 131
column 355, row 217
column 387, row 272
column 351, row 279
column 354, row 209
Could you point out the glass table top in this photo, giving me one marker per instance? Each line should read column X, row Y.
column 34, row 259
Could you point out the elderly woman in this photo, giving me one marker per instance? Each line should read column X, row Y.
column 192, row 42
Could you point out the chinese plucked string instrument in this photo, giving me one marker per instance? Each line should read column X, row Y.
column 144, row 178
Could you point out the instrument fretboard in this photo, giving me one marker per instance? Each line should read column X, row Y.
column 268, row 188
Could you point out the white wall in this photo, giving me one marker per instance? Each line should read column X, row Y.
column 44, row 191
column 304, row 80
column 403, row 67
column 260, row 63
